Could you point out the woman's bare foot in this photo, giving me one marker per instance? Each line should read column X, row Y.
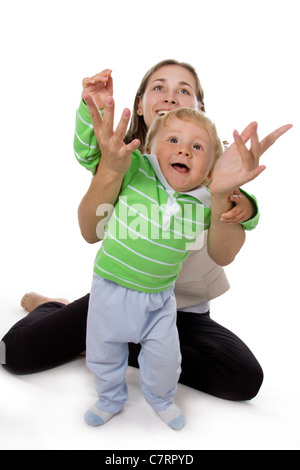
column 32, row 300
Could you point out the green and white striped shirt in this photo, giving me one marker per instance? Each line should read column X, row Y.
column 151, row 230
column 152, row 227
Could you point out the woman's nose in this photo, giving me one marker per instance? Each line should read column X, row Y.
column 170, row 98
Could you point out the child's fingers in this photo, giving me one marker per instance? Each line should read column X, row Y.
column 86, row 82
column 230, row 215
column 104, row 75
column 236, row 192
column 109, row 86
column 233, row 216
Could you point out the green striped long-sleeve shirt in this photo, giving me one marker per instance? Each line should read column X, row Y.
column 151, row 230
column 152, row 227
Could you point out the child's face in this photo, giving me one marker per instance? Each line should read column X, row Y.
column 170, row 87
column 185, row 153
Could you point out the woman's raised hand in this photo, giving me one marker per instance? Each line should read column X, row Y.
column 115, row 154
column 100, row 86
column 238, row 165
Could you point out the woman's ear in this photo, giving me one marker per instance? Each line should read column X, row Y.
column 139, row 110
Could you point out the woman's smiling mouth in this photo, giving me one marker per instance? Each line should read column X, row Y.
column 162, row 112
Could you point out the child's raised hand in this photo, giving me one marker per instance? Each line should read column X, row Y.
column 115, row 154
column 99, row 86
column 238, row 165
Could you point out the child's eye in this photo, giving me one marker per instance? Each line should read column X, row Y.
column 173, row 140
column 197, row 147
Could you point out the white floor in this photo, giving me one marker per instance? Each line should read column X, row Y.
column 45, row 410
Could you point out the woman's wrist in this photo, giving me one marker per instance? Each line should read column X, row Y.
column 109, row 173
column 220, row 203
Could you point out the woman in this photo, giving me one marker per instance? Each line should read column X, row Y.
column 214, row 360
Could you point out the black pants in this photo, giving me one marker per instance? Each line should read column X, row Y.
column 214, row 360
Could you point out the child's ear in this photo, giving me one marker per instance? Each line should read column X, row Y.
column 208, row 179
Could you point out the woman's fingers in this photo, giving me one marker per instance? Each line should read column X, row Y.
column 132, row 146
column 103, row 127
column 250, row 158
column 268, row 141
column 271, row 138
column 255, row 149
column 108, row 117
column 94, row 112
column 245, row 154
column 248, row 131
column 121, row 128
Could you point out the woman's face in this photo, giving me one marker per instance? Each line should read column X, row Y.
column 171, row 86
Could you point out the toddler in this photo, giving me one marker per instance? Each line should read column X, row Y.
column 162, row 208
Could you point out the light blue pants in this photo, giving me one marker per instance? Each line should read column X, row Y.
column 118, row 316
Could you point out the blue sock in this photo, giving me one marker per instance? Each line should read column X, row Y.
column 96, row 417
column 172, row 416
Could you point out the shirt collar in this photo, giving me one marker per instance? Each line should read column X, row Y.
column 201, row 192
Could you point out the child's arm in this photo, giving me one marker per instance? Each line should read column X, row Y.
column 245, row 210
column 114, row 163
column 86, row 147
column 236, row 167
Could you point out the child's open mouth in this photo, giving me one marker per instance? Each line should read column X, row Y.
column 180, row 167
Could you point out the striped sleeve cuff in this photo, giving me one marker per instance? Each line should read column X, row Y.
column 252, row 223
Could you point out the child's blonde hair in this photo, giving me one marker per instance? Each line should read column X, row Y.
column 193, row 115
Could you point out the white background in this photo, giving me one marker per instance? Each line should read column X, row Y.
column 247, row 57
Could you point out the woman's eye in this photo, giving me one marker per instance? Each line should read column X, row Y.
column 158, row 87
column 184, row 91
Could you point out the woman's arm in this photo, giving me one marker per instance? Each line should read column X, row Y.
column 245, row 208
column 103, row 192
column 114, row 163
column 224, row 240
column 236, row 167
column 86, row 147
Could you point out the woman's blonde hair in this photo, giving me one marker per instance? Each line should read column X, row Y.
column 191, row 115
column 138, row 128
